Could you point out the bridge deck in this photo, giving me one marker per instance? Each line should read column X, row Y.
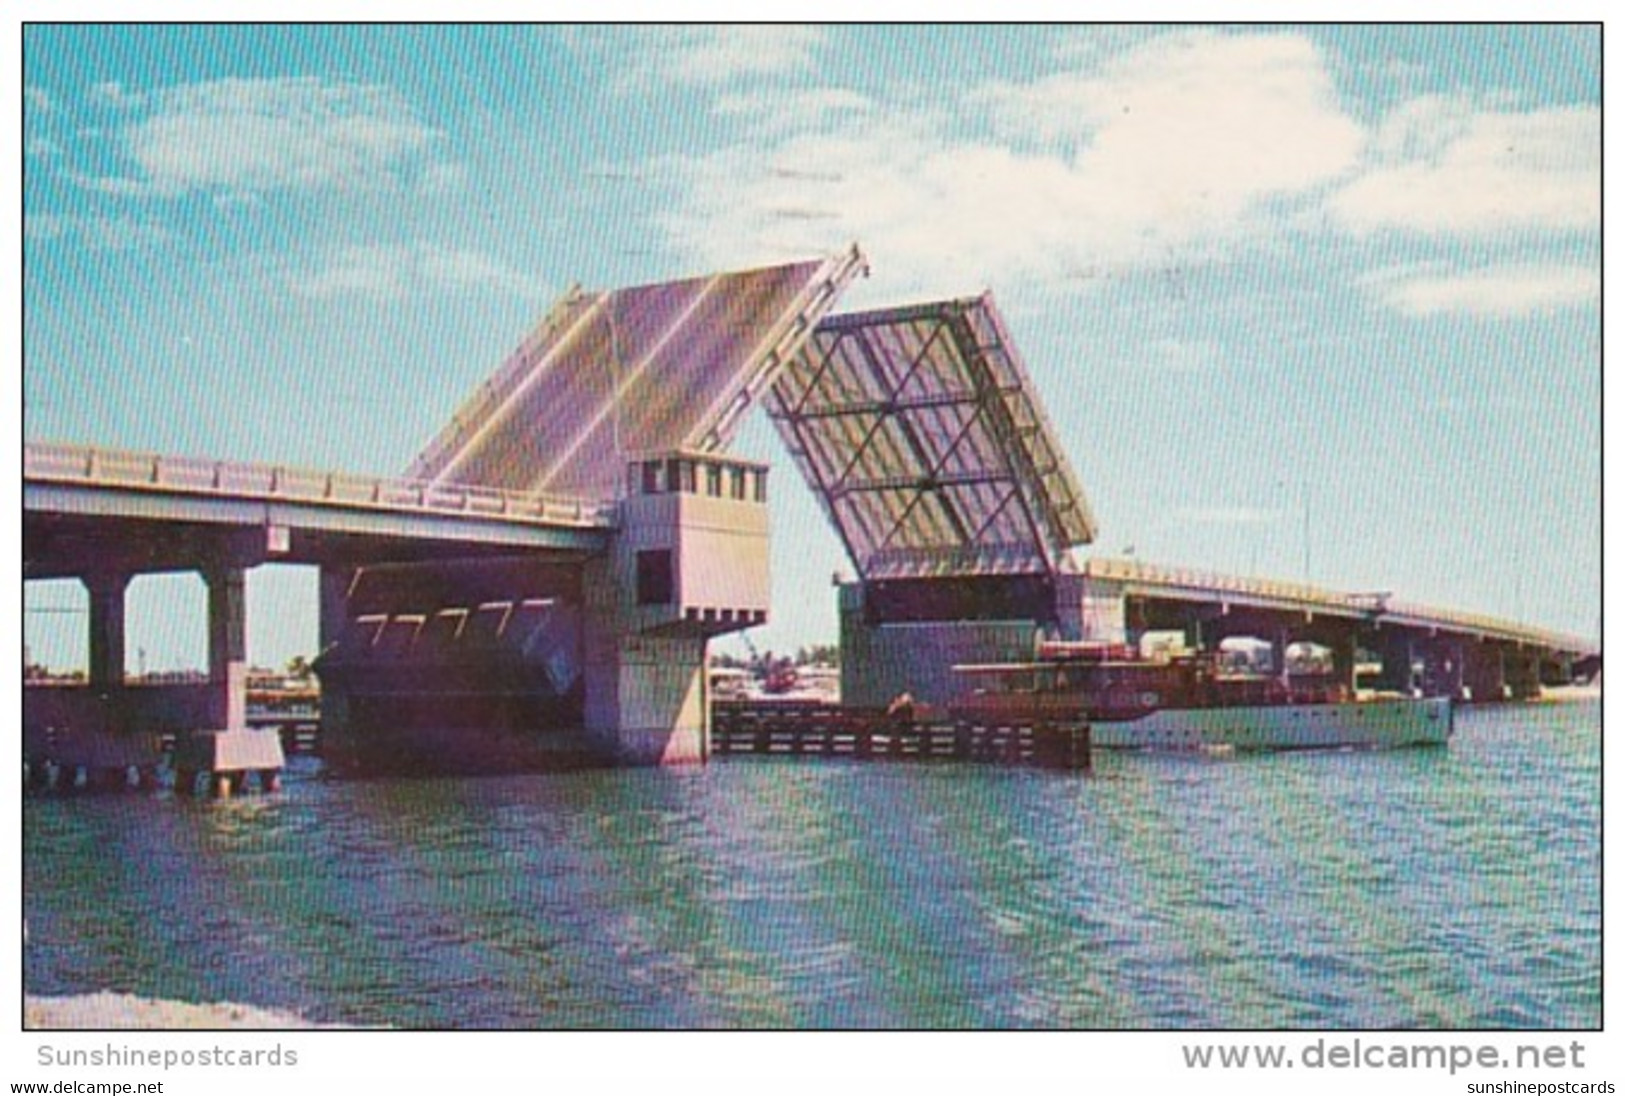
column 112, row 468
column 1179, row 583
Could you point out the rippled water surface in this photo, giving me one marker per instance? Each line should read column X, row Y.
column 1455, row 887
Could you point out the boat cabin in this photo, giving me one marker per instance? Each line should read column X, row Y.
column 1105, row 685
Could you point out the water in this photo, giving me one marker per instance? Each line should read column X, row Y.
column 1455, row 887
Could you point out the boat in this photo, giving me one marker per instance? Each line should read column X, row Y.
column 1191, row 702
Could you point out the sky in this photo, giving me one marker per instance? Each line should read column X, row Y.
column 1302, row 302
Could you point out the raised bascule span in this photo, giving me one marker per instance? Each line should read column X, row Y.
column 608, row 376
column 921, row 433
column 543, row 581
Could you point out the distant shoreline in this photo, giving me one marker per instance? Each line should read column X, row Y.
column 1570, row 692
column 99, row 1011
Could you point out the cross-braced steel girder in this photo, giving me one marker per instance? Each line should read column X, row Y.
column 919, row 430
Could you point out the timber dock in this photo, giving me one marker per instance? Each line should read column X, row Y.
column 809, row 728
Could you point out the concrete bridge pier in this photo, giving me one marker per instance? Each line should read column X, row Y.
column 690, row 562
column 1523, row 674
column 333, row 586
column 550, row 660
column 228, row 646
column 1485, row 673
column 644, row 699
column 1345, row 658
column 1444, row 668
column 1340, row 638
column 83, row 737
column 1398, row 656
column 106, row 734
column 225, row 748
column 1280, row 639
column 1198, row 632
column 109, row 720
column 645, row 696
column 1555, row 672
column 107, row 590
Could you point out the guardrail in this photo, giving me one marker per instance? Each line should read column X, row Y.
column 89, row 466
column 1318, row 598
column 1125, row 570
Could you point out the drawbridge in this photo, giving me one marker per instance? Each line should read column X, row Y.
column 560, row 554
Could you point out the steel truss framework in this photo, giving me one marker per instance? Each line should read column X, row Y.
column 919, row 430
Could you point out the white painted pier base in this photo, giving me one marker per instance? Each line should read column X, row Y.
column 645, row 699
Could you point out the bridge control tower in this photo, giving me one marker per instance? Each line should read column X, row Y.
column 626, row 398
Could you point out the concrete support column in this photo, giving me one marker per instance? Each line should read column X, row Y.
column 1486, row 673
column 1279, row 642
column 1451, row 674
column 1523, row 675
column 106, row 589
column 645, row 699
column 1345, row 655
column 1194, row 632
column 1398, row 664
column 333, row 621
column 1440, row 667
column 228, row 647
column 1556, row 671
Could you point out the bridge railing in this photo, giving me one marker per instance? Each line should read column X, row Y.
column 153, row 471
column 1491, row 627
column 1374, row 605
column 1126, row 570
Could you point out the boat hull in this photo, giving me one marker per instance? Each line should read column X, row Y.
column 1282, row 727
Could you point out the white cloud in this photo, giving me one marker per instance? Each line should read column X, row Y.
column 396, row 272
column 1501, row 292
column 779, row 112
column 716, row 55
column 1089, row 45
column 1171, row 154
column 930, row 209
column 255, row 136
column 1195, row 119
column 644, row 59
column 98, row 233
column 115, row 96
column 442, row 179
column 1443, row 168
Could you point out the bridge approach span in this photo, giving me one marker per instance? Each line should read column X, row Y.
column 75, row 497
